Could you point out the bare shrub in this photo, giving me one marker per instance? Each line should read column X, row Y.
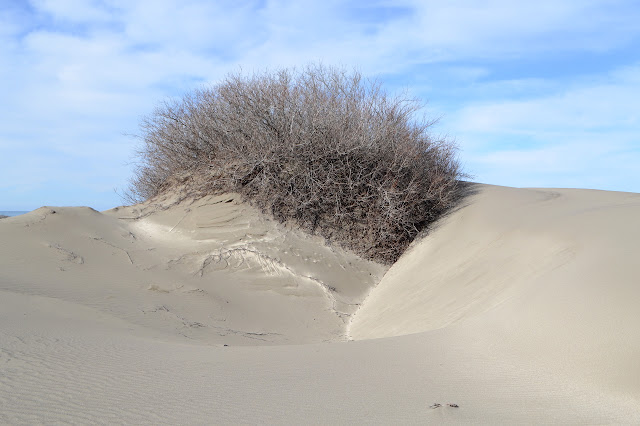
column 322, row 147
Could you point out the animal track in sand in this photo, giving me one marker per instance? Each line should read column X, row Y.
column 70, row 256
column 438, row 405
column 181, row 288
column 100, row 239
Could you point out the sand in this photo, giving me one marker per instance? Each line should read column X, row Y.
column 518, row 307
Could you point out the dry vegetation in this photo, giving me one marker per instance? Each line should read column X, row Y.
column 321, row 147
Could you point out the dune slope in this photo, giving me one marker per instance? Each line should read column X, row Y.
column 519, row 307
column 212, row 270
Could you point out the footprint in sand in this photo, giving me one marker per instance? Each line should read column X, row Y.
column 436, row 405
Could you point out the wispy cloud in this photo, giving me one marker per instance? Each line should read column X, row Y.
column 600, row 104
column 585, row 135
column 515, row 81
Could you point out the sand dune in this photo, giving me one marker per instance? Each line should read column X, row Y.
column 519, row 307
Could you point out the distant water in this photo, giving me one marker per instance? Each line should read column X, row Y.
column 11, row 212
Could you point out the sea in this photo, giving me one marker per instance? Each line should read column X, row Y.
column 12, row 212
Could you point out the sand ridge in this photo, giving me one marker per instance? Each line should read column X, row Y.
column 213, row 270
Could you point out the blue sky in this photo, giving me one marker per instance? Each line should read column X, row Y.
column 536, row 94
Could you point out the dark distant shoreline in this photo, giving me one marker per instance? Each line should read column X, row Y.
column 10, row 213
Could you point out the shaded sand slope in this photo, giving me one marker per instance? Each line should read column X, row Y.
column 214, row 270
column 519, row 307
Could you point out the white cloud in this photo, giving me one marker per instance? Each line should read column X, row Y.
column 590, row 108
column 73, row 11
column 595, row 103
column 500, row 27
column 588, row 134
column 585, row 163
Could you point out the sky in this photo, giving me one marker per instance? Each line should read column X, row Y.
column 535, row 94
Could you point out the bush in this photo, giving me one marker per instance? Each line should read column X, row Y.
column 322, row 147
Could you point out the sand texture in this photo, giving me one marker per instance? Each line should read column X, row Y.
column 520, row 307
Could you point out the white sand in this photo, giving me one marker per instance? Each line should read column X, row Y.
column 519, row 307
